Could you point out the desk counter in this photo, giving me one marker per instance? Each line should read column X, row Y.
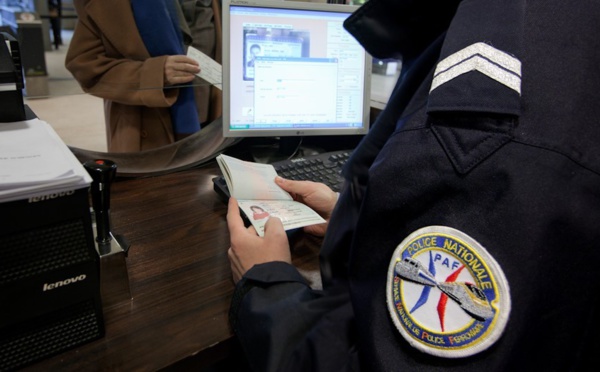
column 179, row 276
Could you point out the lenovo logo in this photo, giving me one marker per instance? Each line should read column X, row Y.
column 36, row 199
column 61, row 283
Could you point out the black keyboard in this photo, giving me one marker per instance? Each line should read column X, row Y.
column 325, row 168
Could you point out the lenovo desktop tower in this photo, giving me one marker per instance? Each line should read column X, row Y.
column 49, row 278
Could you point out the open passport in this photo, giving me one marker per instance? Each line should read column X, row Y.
column 259, row 197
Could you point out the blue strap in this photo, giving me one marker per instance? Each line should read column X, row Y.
column 158, row 25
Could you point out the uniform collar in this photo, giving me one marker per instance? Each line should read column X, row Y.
column 400, row 29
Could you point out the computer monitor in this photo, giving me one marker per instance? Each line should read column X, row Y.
column 291, row 69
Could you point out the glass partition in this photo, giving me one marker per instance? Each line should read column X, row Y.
column 76, row 116
column 53, row 94
column 51, row 91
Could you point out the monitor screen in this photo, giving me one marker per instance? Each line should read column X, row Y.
column 291, row 69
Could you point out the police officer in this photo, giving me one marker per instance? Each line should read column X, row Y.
column 466, row 237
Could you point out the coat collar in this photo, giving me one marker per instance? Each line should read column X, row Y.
column 400, row 29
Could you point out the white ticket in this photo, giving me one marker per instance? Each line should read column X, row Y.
column 210, row 70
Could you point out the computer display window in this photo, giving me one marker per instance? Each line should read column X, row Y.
column 293, row 69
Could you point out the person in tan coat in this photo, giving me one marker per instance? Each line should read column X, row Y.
column 109, row 59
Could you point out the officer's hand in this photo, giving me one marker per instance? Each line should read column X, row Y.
column 248, row 249
column 180, row 69
column 316, row 195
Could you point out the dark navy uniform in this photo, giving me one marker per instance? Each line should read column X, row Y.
column 484, row 173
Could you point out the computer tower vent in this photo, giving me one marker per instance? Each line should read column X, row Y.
column 48, row 335
column 51, row 247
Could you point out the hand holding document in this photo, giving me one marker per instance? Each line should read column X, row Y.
column 209, row 69
column 254, row 187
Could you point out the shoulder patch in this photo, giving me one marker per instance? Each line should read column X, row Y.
column 446, row 294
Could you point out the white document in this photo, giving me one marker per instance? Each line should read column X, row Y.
column 34, row 161
column 28, row 155
column 210, row 70
column 259, row 197
column 248, row 180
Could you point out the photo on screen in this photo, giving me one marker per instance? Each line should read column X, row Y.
column 272, row 41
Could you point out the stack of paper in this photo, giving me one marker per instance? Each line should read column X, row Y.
column 35, row 161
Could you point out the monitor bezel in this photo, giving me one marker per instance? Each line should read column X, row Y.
column 280, row 132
